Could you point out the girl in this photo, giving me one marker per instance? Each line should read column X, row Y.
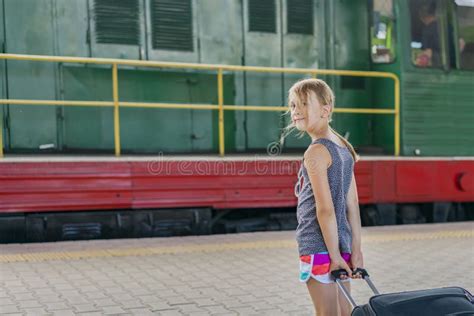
column 328, row 232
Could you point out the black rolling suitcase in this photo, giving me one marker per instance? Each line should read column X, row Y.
column 445, row 301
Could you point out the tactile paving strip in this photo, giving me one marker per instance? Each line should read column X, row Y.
column 217, row 247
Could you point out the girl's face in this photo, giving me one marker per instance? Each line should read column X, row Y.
column 308, row 115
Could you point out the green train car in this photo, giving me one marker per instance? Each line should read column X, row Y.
column 429, row 45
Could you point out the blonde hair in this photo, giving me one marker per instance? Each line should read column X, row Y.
column 301, row 90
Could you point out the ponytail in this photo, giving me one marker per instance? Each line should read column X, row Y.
column 355, row 156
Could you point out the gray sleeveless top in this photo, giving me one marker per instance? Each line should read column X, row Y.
column 308, row 233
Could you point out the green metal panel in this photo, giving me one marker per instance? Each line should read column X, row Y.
column 262, row 16
column 221, row 42
column 72, row 25
column 87, row 127
column 157, row 52
column 350, row 51
column 263, row 128
column 104, row 26
column 30, row 31
column 146, row 130
column 383, row 125
column 438, row 115
column 171, row 130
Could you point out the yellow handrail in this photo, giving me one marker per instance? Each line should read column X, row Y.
column 220, row 97
column 221, row 107
column 116, row 109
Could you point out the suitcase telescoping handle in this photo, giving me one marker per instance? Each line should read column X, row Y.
column 336, row 275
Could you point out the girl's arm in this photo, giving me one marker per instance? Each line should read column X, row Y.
column 353, row 215
column 317, row 159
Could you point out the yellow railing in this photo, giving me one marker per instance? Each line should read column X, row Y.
column 116, row 104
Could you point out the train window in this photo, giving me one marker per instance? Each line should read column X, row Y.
column 425, row 33
column 299, row 15
column 171, row 24
column 465, row 19
column 262, row 16
column 382, row 32
column 117, row 22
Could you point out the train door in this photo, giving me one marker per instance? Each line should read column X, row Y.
column 111, row 30
column 262, row 47
column 303, row 46
column 277, row 33
column 186, row 31
column 173, row 33
column 220, row 42
column 384, row 56
column 32, row 128
column 348, row 37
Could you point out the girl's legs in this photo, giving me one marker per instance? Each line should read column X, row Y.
column 344, row 305
column 324, row 297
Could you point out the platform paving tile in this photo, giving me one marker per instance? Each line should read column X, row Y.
column 235, row 274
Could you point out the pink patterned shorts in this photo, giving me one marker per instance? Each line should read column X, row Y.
column 317, row 266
